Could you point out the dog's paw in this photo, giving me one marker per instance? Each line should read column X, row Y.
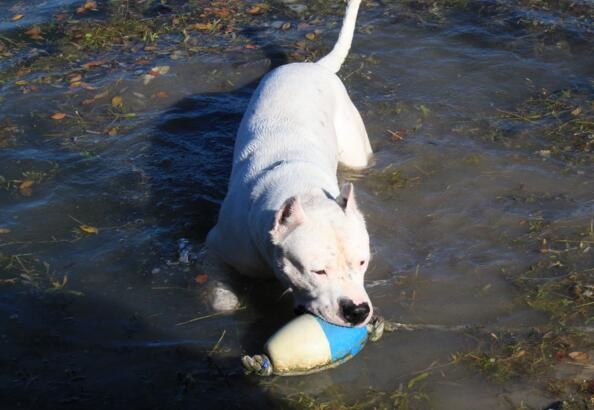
column 223, row 299
column 258, row 364
column 375, row 328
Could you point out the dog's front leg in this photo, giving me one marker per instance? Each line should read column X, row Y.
column 220, row 295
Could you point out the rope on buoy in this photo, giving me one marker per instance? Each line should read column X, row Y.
column 258, row 364
column 390, row 326
column 375, row 328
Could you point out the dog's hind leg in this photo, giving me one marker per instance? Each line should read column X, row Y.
column 354, row 149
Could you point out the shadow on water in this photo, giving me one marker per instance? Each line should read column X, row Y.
column 122, row 350
column 95, row 354
column 189, row 165
column 192, row 150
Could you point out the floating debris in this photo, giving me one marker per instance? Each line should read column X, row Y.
column 188, row 254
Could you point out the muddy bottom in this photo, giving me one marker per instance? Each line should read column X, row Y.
column 117, row 124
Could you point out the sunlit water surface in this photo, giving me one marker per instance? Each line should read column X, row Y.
column 446, row 202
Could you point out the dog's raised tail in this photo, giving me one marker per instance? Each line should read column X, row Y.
column 336, row 57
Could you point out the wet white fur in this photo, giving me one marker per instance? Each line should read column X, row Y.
column 300, row 123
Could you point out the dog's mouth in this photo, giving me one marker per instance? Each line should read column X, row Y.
column 302, row 309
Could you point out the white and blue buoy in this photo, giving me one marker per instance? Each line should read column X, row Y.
column 307, row 345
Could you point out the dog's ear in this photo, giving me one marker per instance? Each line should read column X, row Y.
column 346, row 199
column 288, row 217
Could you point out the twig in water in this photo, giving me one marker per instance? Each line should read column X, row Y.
column 208, row 316
column 216, row 346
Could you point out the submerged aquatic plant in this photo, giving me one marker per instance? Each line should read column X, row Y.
column 561, row 285
column 508, row 356
column 562, row 123
column 404, row 397
column 561, row 282
column 557, row 125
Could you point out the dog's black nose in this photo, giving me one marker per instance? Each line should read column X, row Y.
column 354, row 314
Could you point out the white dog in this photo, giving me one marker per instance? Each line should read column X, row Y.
column 284, row 212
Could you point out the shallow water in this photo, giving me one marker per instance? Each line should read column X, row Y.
column 458, row 201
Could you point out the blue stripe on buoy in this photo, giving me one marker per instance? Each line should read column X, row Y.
column 343, row 340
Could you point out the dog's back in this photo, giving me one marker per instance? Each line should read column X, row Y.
column 299, row 124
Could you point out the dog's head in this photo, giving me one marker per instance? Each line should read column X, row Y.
column 321, row 251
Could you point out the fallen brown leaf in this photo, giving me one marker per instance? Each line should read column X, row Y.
column 101, row 95
column 220, row 12
column 159, row 70
column 257, row 8
column 27, row 183
column 88, row 229
column 17, row 17
column 58, row 116
column 89, row 5
column 73, row 78
column 117, row 101
column 203, row 26
column 155, row 72
column 35, row 33
column 200, row 279
column 94, row 63
column 25, row 187
column 23, row 71
column 11, row 281
column 581, row 357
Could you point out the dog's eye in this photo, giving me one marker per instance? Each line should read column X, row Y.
column 361, row 263
column 320, row 272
